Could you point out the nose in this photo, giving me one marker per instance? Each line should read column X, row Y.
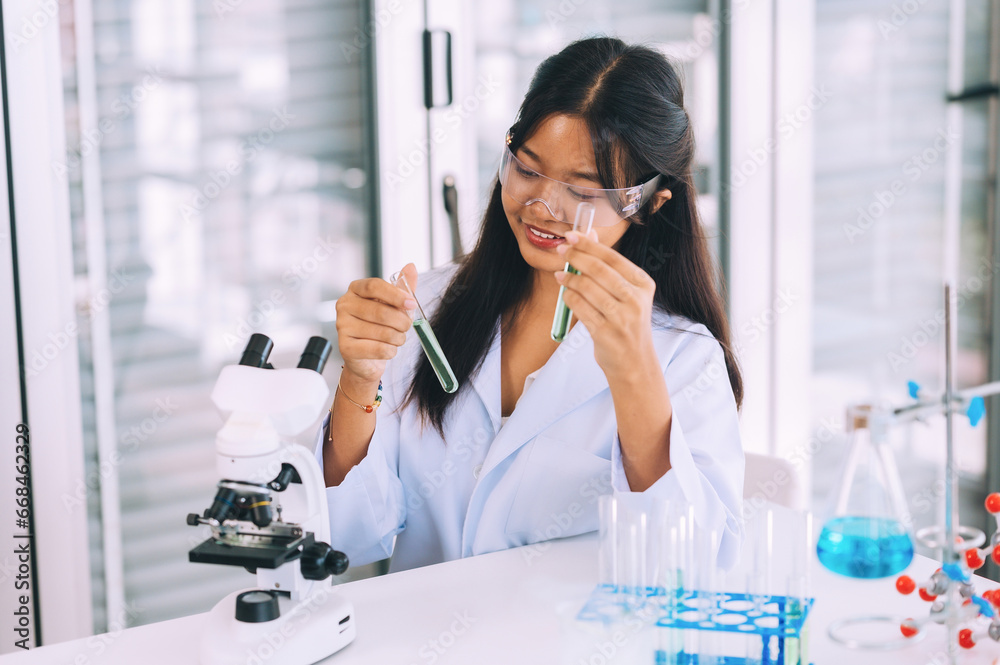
column 545, row 203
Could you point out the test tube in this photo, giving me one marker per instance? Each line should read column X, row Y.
column 633, row 525
column 799, row 575
column 582, row 224
column 607, row 506
column 428, row 340
column 762, row 553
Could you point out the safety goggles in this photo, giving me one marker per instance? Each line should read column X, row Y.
column 526, row 186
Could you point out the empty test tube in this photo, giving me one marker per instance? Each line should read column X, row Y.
column 583, row 222
column 607, row 507
column 799, row 575
column 428, row 341
column 759, row 582
column 634, row 517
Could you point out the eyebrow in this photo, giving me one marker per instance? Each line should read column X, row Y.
column 584, row 175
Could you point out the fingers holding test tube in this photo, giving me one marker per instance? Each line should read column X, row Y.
column 611, row 296
column 372, row 321
column 582, row 223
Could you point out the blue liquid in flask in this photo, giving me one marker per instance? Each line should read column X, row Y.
column 865, row 547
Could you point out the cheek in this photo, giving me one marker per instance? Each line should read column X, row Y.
column 609, row 235
column 511, row 212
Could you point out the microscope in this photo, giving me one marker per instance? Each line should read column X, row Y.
column 270, row 516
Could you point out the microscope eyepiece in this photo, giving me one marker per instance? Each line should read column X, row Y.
column 315, row 354
column 257, row 350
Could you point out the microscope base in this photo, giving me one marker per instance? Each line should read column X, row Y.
column 306, row 632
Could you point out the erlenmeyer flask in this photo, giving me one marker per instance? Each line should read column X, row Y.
column 868, row 535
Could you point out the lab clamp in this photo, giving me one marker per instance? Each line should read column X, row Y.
column 270, row 516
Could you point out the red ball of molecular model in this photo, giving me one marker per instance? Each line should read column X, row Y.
column 953, row 597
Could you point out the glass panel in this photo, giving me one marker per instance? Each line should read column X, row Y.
column 882, row 147
column 235, row 177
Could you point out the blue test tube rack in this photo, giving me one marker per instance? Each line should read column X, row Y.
column 780, row 622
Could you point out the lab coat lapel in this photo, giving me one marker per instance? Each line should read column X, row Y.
column 566, row 381
column 486, row 382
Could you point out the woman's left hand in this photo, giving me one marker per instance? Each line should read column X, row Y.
column 613, row 298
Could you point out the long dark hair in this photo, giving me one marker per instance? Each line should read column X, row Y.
column 631, row 99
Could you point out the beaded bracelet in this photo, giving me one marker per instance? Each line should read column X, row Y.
column 367, row 408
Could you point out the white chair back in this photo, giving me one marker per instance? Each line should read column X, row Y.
column 772, row 479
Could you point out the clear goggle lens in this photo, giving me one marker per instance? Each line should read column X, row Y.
column 526, row 186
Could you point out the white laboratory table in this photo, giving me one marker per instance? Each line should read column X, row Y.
column 505, row 608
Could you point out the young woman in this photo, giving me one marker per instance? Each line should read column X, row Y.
column 642, row 395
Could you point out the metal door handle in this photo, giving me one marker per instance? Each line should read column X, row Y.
column 451, row 207
column 437, row 68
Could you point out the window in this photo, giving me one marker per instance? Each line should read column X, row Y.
column 900, row 198
column 227, row 164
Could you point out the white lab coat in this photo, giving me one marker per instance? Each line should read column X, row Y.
column 486, row 488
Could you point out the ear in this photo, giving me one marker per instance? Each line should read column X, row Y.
column 659, row 198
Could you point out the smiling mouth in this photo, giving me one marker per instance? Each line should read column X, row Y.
column 538, row 233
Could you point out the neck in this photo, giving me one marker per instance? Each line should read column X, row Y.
column 544, row 290
column 541, row 299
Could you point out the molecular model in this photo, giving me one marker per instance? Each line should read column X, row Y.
column 953, row 598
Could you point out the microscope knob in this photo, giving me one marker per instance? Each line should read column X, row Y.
column 257, row 606
column 319, row 561
column 337, row 561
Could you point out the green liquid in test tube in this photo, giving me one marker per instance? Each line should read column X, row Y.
column 428, row 340
column 582, row 224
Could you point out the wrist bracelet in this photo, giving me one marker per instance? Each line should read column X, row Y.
column 369, row 408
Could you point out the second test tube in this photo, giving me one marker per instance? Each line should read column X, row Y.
column 582, row 224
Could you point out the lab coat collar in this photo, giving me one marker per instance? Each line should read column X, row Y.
column 564, row 383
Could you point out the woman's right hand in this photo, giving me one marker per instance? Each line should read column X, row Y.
column 372, row 321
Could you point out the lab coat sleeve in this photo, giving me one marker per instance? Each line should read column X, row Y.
column 367, row 509
column 706, row 454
